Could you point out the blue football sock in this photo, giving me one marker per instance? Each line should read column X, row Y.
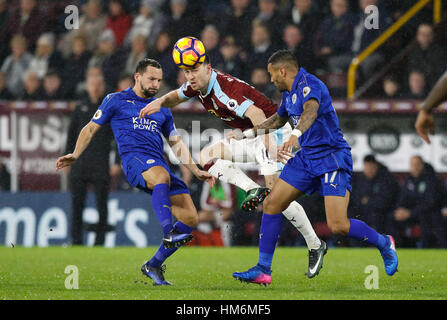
column 268, row 237
column 162, row 206
column 359, row 230
column 163, row 253
column 183, row 228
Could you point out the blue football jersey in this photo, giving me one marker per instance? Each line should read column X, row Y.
column 324, row 136
column 132, row 134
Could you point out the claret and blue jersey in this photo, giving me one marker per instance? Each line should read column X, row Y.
column 140, row 142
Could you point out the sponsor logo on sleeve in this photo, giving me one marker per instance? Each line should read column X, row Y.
column 232, row 104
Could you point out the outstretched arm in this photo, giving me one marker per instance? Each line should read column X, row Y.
column 182, row 153
column 169, row 100
column 84, row 138
column 274, row 122
column 425, row 123
column 437, row 95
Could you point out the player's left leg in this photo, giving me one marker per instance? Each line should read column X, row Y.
column 278, row 200
column 336, row 214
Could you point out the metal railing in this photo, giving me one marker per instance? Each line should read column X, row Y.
column 437, row 8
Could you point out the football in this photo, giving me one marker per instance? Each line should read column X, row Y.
column 188, row 53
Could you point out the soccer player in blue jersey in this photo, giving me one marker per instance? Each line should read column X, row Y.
column 140, row 146
column 323, row 164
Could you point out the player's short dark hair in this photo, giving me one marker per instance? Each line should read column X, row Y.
column 207, row 59
column 143, row 64
column 285, row 57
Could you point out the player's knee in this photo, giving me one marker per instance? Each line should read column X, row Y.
column 271, row 206
column 161, row 179
column 191, row 220
column 340, row 228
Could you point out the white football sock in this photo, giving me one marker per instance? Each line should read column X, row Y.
column 297, row 216
column 228, row 172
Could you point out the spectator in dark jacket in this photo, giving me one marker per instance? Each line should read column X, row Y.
column 293, row 39
column 232, row 62
column 270, row 16
column 181, row 22
column 262, row 47
column 92, row 167
column 109, row 58
column 335, row 34
column 211, row 38
column 75, row 66
column 374, row 195
column 33, row 87
column 363, row 37
column 236, row 22
column 306, row 16
column 420, row 203
column 427, row 55
column 28, row 20
column 52, row 86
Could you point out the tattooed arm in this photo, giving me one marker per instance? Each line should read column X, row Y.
column 307, row 118
column 274, row 122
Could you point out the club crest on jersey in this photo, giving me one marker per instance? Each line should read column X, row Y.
column 294, row 98
column 295, row 120
column 232, row 104
column 98, row 114
column 306, row 91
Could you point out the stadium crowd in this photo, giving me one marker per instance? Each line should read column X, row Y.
column 45, row 61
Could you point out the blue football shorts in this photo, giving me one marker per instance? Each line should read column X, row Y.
column 329, row 175
column 135, row 165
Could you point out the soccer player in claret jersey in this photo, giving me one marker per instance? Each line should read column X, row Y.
column 323, row 164
column 241, row 107
column 140, row 146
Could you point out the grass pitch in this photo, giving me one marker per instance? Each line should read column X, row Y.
column 205, row 274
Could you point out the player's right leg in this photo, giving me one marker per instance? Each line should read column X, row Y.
column 218, row 159
column 296, row 215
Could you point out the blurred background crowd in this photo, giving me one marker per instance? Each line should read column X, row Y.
column 40, row 60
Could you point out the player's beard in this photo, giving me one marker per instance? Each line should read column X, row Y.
column 148, row 92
